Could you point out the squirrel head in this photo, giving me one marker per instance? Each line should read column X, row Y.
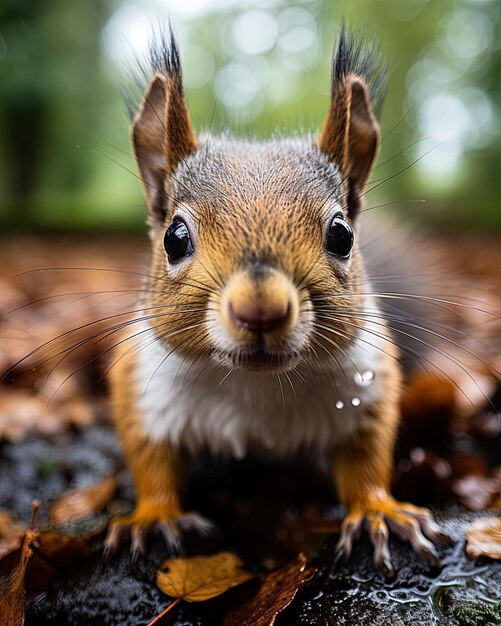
column 255, row 261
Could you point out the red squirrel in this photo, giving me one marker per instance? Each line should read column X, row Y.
column 258, row 329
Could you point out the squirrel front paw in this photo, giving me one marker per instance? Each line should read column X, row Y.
column 146, row 519
column 412, row 524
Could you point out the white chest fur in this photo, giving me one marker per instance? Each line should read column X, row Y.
column 197, row 405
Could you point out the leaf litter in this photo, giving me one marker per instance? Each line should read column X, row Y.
column 448, row 452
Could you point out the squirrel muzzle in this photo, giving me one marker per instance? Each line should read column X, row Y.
column 259, row 301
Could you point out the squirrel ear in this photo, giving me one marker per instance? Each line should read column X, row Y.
column 148, row 137
column 350, row 134
column 161, row 131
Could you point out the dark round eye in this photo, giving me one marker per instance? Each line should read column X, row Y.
column 340, row 237
column 177, row 241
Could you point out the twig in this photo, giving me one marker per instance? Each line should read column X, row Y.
column 164, row 612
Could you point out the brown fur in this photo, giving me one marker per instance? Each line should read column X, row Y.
column 156, row 468
column 258, row 214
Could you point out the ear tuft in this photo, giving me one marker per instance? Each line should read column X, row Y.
column 355, row 56
column 164, row 55
column 161, row 130
column 350, row 134
column 165, row 60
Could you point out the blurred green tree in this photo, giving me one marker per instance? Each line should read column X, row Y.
column 254, row 68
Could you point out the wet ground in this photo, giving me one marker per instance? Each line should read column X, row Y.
column 461, row 593
column 55, row 437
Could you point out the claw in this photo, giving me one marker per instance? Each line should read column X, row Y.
column 113, row 541
column 428, row 525
column 339, row 556
column 378, row 532
column 387, row 568
column 408, row 529
column 432, row 557
column 411, row 523
column 109, row 553
column 350, row 529
column 135, row 555
column 138, row 535
column 172, row 536
column 194, row 522
column 138, row 527
column 444, row 538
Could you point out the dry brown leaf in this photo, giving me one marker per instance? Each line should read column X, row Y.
column 278, row 589
column 55, row 554
column 483, row 538
column 201, row 578
column 13, row 586
column 11, row 533
column 476, row 492
column 78, row 503
column 21, row 413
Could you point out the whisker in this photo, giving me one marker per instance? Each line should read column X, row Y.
column 393, row 128
column 432, row 347
column 361, row 315
column 399, row 202
column 411, row 296
column 182, row 330
column 83, row 269
column 84, row 326
column 403, row 151
column 392, row 176
column 412, row 353
column 82, row 294
column 277, row 374
column 101, row 354
column 286, row 374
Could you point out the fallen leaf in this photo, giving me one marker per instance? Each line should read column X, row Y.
column 11, row 533
column 476, row 492
column 201, row 578
column 277, row 590
column 483, row 538
column 21, row 413
column 78, row 503
column 12, row 586
column 54, row 556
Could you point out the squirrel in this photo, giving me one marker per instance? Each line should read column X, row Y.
column 258, row 329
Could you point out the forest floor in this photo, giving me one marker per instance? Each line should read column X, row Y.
column 57, row 447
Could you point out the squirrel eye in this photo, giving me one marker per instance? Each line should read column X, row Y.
column 177, row 241
column 340, row 237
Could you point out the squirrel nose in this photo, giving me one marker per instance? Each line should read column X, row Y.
column 258, row 317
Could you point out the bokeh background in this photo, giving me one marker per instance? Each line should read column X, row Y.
column 73, row 252
column 253, row 67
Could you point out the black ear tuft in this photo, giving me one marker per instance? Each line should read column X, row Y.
column 162, row 58
column 162, row 133
column 164, row 55
column 355, row 55
column 350, row 134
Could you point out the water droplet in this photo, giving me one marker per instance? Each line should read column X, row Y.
column 339, row 404
column 364, row 379
column 355, row 401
